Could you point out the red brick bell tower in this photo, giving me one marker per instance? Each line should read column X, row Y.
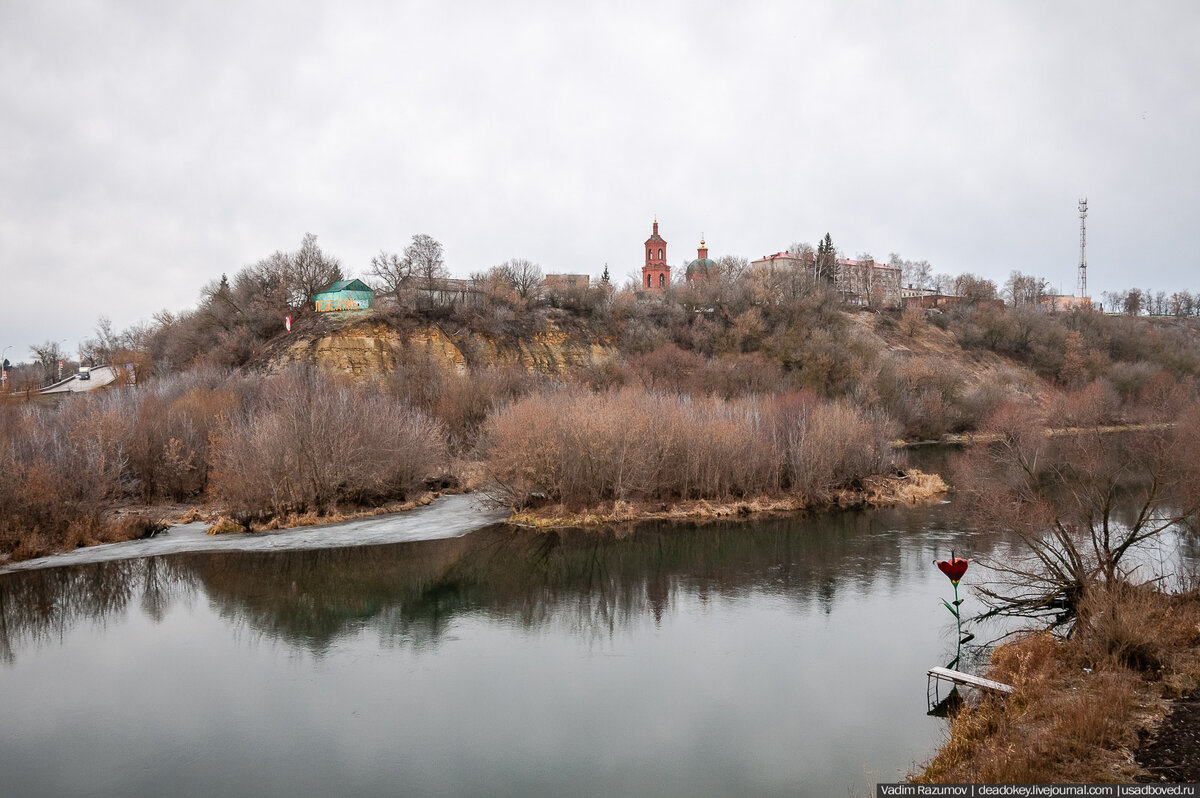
column 656, row 274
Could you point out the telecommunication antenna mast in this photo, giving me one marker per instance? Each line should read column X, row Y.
column 1081, row 287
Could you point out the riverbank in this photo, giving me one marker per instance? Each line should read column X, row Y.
column 1109, row 704
column 978, row 438
column 224, row 525
column 130, row 522
column 908, row 487
column 449, row 516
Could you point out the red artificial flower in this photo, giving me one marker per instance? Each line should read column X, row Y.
column 954, row 568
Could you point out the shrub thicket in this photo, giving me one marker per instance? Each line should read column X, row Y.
column 310, row 442
column 57, row 474
column 580, row 448
column 460, row 402
column 163, row 430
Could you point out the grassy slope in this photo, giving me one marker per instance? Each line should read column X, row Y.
column 1082, row 706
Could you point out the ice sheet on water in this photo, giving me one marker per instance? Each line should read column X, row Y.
column 447, row 517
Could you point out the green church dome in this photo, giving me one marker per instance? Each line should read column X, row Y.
column 703, row 265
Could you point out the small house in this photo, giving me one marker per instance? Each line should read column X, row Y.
column 345, row 295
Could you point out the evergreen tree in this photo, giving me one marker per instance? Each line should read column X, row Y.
column 826, row 259
column 604, row 276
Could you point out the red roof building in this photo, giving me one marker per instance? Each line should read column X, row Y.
column 656, row 274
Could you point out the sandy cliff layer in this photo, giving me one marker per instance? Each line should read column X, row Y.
column 360, row 344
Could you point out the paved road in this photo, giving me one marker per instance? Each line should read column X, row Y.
column 101, row 376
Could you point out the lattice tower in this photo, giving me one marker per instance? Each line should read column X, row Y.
column 1081, row 285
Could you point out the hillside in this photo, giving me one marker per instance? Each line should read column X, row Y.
column 372, row 344
column 604, row 400
column 919, row 372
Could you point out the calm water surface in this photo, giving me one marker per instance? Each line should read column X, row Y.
column 777, row 657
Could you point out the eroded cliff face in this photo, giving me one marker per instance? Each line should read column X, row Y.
column 363, row 346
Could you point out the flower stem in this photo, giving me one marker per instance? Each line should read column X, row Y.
column 958, row 615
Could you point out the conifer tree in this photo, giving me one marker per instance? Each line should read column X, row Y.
column 826, row 259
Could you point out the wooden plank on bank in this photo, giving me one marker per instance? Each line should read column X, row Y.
column 969, row 680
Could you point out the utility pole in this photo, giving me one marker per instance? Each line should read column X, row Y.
column 1081, row 286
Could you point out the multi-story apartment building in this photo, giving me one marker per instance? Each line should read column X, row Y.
column 860, row 282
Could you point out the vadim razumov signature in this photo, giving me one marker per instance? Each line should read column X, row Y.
column 1034, row 790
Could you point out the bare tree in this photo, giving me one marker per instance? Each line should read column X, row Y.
column 310, row 270
column 100, row 350
column 856, row 280
column 1025, row 289
column 732, row 267
column 804, row 251
column 427, row 259
column 1181, row 304
column 942, row 284
column 913, row 273
column 393, row 274
column 905, row 267
column 301, row 274
column 974, row 289
column 1135, row 301
column 523, row 275
column 48, row 356
column 1079, row 505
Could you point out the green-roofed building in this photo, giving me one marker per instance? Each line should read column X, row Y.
column 703, row 266
column 345, row 295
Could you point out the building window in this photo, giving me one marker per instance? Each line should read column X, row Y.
column 647, row 281
column 660, row 255
column 662, row 280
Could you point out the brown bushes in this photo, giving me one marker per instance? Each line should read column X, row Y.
column 56, row 475
column 930, row 396
column 1094, row 404
column 672, row 369
column 163, row 430
column 832, row 444
column 310, row 442
column 577, row 448
column 293, row 443
column 63, row 467
column 460, row 401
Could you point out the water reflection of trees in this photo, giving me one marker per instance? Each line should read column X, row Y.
column 40, row 606
column 593, row 583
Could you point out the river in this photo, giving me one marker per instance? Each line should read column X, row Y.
column 765, row 657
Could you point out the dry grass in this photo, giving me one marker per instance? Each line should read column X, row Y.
column 910, row 488
column 1080, row 705
column 189, row 516
column 226, row 525
column 914, row 486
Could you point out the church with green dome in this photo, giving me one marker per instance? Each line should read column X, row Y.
column 703, row 266
column 656, row 273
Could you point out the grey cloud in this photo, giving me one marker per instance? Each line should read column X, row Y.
column 151, row 146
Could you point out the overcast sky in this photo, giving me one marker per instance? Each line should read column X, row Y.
column 148, row 147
